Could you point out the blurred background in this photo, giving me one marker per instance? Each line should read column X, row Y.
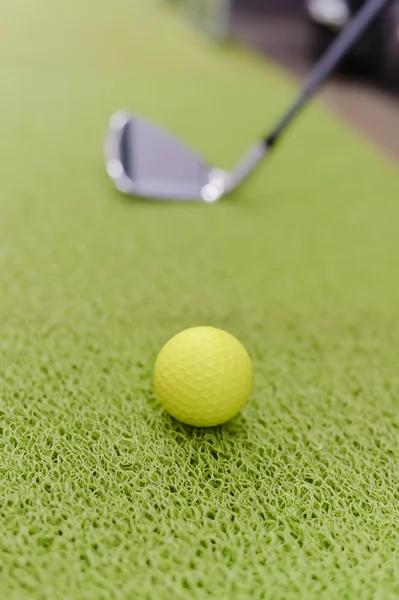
column 295, row 33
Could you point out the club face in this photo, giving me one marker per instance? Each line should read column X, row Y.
column 144, row 160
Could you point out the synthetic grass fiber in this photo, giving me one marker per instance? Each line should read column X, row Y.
column 104, row 496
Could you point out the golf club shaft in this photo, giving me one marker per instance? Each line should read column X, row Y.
column 321, row 71
column 330, row 60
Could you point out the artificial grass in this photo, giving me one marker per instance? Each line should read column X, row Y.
column 103, row 496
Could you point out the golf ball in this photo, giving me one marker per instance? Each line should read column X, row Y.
column 203, row 376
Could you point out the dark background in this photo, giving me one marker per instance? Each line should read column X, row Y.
column 272, row 5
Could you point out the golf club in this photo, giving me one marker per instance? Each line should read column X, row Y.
column 144, row 160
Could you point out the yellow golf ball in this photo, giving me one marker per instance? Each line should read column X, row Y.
column 203, row 376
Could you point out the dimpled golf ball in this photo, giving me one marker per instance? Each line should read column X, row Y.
column 203, row 376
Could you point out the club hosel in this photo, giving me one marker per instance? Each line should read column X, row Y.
column 270, row 141
column 247, row 165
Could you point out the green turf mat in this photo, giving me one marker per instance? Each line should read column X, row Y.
column 103, row 496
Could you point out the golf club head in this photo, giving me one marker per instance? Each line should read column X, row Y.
column 144, row 160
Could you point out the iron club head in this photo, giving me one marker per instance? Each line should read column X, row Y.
column 144, row 160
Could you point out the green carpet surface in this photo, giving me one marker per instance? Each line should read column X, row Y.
column 102, row 495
